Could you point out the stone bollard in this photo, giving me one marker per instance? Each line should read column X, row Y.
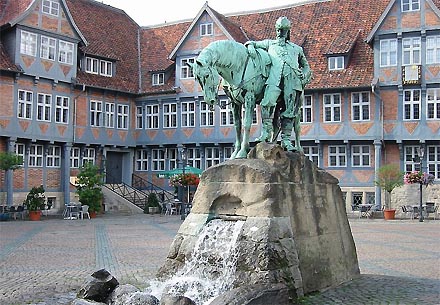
column 98, row 287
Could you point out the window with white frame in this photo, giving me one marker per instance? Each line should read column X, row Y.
column 75, row 153
column 226, row 118
column 307, row 110
column 411, row 104
column 20, row 150
column 227, row 152
column 122, row 116
column 433, row 50
column 388, row 52
column 109, row 115
column 95, row 113
column 62, row 109
column 28, row 43
column 158, row 159
column 185, row 70
column 360, row 155
column 337, row 156
column 152, row 116
column 65, row 53
column 254, row 115
column 106, row 68
column 158, row 79
column 170, row 115
column 212, row 156
column 92, row 65
column 142, row 160
column 336, row 63
column 411, row 50
column 44, row 107
column 410, row 158
column 360, row 106
column 48, row 48
column 332, row 107
column 36, row 155
column 433, row 104
column 206, row 115
column 193, row 157
column 433, row 160
column 51, row 7
column 188, row 114
column 88, row 156
column 206, row 29
column 172, row 156
column 410, row 5
column 139, row 117
column 53, row 157
column 312, row 152
column 25, row 100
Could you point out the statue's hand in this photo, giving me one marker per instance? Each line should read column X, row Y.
column 251, row 49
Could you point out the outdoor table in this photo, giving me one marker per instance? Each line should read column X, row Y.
column 71, row 209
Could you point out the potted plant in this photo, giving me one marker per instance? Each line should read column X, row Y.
column 389, row 177
column 153, row 204
column 89, row 182
column 34, row 202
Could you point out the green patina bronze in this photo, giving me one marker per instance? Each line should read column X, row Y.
column 257, row 72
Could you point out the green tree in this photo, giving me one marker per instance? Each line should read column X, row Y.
column 9, row 161
column 89, row 187
column 388, row 177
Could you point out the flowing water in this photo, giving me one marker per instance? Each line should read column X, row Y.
column 210, row 270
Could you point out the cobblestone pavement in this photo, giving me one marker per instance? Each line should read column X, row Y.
column 45, row 262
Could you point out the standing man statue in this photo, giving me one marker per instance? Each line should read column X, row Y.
column 290, row 73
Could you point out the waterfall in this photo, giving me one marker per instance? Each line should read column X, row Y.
column 211, row 269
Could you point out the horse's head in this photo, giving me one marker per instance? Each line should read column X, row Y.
column 209, row 79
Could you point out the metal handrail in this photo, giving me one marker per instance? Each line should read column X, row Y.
column 143, row 184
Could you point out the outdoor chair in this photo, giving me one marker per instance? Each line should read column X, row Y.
column 170, row 209
column 407, row 211
column 19, row 211
column 85, row 211
column 365, row 210
column 431, row 208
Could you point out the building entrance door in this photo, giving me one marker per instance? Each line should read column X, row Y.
column 113, row 167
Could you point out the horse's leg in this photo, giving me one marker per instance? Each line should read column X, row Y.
column 247, row 122
column 236, row 115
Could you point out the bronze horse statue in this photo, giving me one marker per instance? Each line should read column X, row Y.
column 243, row 78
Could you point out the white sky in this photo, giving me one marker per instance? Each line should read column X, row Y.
column 146, row 12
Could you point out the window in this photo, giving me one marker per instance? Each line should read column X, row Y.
column 106, row 68
column 360, row 155
column 51, row 7
column 95, row 113
column 36, row 155
column 20, row 150
column 411, row 104
column 411, row 154
column 411, row 50
column 158, row 79
column 433, row 104
column 433, row 50
column 170, row 115
column 206, row 29
column 62, row 109
column 360, row 106
column 91, row 65
column 172, row 158
column 123, row 116
column 227, row 152
column 212, row 156
column 109, row 115
column 307, row 110
column 53, row 157
column 312, row 152
column 388, row 52
column 356, row 198
column 410, row 5
column 336, row 63
column 28, row 43
column 74, row 157
column 65, row 54
column 44, row 107
column 48, row 46
column 141, row 160
column 193, row 157
column 188, row 114
column 185, row 70
column 152, row 116
column 25, row 99
column 332, row 107
column 433, row 159
column 337, row 156
column 158, row 159
column 139, row 117
column 254, row 115
column 371, row 198
column 206, row 115
column 226, row 118
column 88, row 156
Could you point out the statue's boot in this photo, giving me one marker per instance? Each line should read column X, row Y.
column 266, row 131
column 286, row 132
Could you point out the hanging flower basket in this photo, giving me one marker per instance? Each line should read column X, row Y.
column 419, row 178
column 184, row 180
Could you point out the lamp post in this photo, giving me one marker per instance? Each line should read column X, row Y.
column 182, row 204
column 419, row 159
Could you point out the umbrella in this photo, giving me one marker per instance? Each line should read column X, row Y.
column 177, row 171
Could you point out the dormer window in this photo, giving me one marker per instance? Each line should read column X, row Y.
column 158, row 79
column 185, row 70
column 336, row 63
column 206, row 29
column 410, row 5
column 106, row 68
column 99, row 66
column 51, row 7
column 92, row 65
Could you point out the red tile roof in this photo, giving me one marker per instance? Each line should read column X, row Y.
column 5, row 62
column 11, row 9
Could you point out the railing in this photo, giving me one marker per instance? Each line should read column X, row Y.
column 144, row 185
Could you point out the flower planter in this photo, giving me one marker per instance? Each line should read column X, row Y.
column 35, row 215
column 92, row 214
column 389, row 214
